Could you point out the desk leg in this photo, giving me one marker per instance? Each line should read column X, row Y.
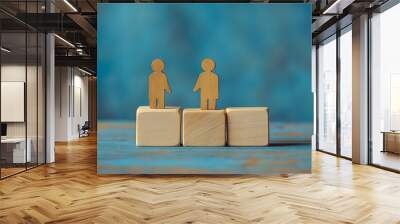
column 384, row 143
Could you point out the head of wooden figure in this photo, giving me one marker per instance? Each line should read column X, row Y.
column 208, row 65
column 157, row 65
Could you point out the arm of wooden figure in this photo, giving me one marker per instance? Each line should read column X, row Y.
column 217, row 88
column 197, row 86
column 166, row 85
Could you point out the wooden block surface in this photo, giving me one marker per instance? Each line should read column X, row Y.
column 203, row 127
column 158, row 127
column 247, row 126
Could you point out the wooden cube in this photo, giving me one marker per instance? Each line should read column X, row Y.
column 247, row 126
column 204, row 127
column 158, row 127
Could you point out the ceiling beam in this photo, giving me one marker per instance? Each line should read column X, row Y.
column 84, row 24
column 78, row 61
column 338, row 6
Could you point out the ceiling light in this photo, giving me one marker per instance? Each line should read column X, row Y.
column 5, row 50
column 84, row 71
column 70, row 5
column 80, row 51
column 65, row 41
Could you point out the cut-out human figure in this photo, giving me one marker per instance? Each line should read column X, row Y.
column 158, row 84
column 207, row 83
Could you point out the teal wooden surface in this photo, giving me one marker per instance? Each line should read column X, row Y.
column 118, row 154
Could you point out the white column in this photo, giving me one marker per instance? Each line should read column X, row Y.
column 360, row 90
column 50, row 99
column 50, row 92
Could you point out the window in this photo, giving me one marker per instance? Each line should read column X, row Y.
column 335, row 74
column 346, row 92
column 385, row 89
column 327, row 95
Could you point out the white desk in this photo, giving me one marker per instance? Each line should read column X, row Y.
column 19, row 149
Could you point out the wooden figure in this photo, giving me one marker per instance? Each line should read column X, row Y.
column 208, row 85
column 158, row 84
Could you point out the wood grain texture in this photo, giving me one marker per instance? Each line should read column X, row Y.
column 158, row 127
column 247, row 126
column 208, row 85
column 70, row 191
column 203, row 127
column 158, row 84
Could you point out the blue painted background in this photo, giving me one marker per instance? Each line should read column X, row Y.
column 263, row 57
column 262, row 51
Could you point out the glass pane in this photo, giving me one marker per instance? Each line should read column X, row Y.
column 386, row 89
column 327, row 96
column 346, row 94
column 22, row 89
column 41, row 98
column 32, row 96
column 13, row 87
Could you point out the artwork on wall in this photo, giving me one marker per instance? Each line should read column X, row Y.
column 249, row 66
column 13, row 99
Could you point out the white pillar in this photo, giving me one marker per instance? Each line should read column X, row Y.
column 50, row 99
column 50, row 92
column 360, row 90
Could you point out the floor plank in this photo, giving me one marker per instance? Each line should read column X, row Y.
column 70, row 191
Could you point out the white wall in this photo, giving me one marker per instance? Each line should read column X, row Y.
column 80, row 110
column 62, row 82
column 17, row 73
column 71, row 102
column 12, row 73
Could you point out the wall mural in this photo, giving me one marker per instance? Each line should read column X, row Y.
column 253, row 56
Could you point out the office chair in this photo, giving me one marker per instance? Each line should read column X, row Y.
column 84, row 130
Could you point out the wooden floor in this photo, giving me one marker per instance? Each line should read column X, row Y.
column 70, row 191
column 386, row 159
column 5, row 172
